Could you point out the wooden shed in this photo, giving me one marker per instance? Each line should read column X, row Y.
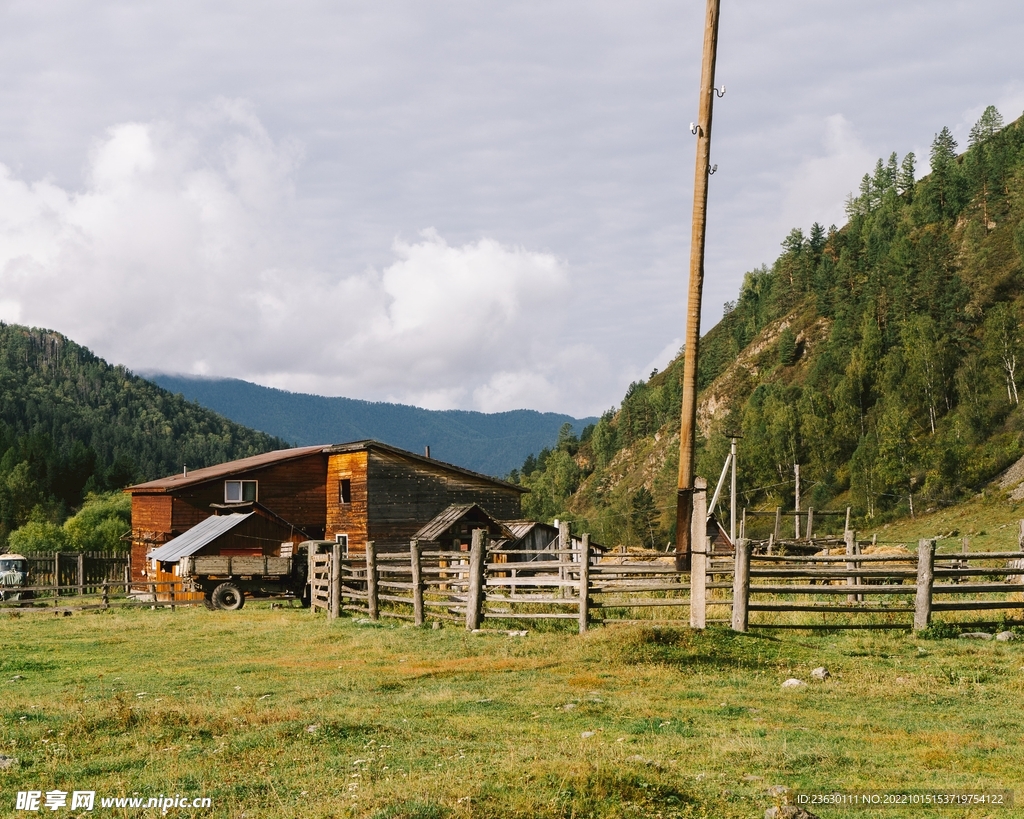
column 288, row 483
column 381, row 493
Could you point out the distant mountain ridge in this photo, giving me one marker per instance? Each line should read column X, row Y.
column 491, row 443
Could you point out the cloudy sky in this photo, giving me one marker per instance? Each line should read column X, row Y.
column 471, row 204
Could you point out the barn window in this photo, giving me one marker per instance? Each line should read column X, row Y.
column 345, row 490
column 239, row 491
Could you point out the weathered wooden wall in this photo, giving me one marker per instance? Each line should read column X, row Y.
column 347, row 518
column 404, row 494
column 151, row 526
column 293, row 489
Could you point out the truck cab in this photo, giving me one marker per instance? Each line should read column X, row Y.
column 14, row 577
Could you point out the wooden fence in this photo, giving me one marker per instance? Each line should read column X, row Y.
column 470, row 587
column 84, row 570
column 894, row 590
column 59, row 599
column 762, row 586
column 752, row 589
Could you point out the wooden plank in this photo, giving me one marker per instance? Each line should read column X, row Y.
column 904, row 591
column 978, row 605
column 857, row 608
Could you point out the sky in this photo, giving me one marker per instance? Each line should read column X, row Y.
column 454, row 204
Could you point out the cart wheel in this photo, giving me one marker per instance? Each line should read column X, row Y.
column 208, row 601
column 228, row 596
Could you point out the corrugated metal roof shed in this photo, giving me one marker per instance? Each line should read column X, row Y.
column 197, row 537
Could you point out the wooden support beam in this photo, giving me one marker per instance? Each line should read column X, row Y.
column 584, row 583
column 925, row 580
column 417, row 582
column 699, row 555
column 474, row 599
column 741, row 586
column 372, row 592
column 334, row 606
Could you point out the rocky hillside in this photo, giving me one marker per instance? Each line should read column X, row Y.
column 883, row 357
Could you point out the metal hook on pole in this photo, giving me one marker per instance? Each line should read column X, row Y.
column 712, row 171
column 720, row 93
column 694, row 127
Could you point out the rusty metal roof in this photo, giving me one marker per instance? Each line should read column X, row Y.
column 197, row 537
column 224, row 470
column 356, row 446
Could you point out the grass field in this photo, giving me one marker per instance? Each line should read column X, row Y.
column 277, row 713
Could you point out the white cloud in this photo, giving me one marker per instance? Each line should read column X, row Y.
column 817, row 188
column 179, row 256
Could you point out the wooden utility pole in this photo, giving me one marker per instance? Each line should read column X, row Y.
column 688, row 426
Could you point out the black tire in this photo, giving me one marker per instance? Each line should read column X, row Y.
column 228, row 596
column 305, row 599
column 208, row 601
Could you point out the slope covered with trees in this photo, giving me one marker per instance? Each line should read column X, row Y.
column 71, row 424
column 883, row 357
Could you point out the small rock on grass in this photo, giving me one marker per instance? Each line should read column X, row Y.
column 975, row 635
column 7, row 762
column 1006, row 636
column 820, row 673
column 588, row 734
column 793, row 682
column 788, row 812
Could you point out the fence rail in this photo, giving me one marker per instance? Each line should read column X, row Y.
column 43, row 598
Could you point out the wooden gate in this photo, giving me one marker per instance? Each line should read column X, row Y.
column 320, row 581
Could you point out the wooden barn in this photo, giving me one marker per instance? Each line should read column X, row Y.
column 289, row 483
column 353, row 492
column 385, row 494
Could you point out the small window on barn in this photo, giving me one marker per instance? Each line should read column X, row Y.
column 345, row 491
column 239, row 491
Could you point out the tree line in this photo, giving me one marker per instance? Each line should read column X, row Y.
column 73, row 426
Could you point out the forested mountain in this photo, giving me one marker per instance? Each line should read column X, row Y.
column 883, row 357
column 492, row 443
column 71, row 424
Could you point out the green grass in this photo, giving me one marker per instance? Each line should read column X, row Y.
column 422, row 724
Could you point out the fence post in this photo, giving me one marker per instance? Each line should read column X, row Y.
column 584, row 582
column 851, row 565
column 56, row 574
column 170, row 593
column 741, row 585
column 810, row 522
column 81, row 574
column 334, row 607
column 925, row 579
column 417, row 582
column 106, row 594
column 699, row 555
column 474, row 598
column 778, row 522
column 372, row 595
column 564, row 545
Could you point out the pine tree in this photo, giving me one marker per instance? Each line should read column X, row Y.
column 905, row 178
